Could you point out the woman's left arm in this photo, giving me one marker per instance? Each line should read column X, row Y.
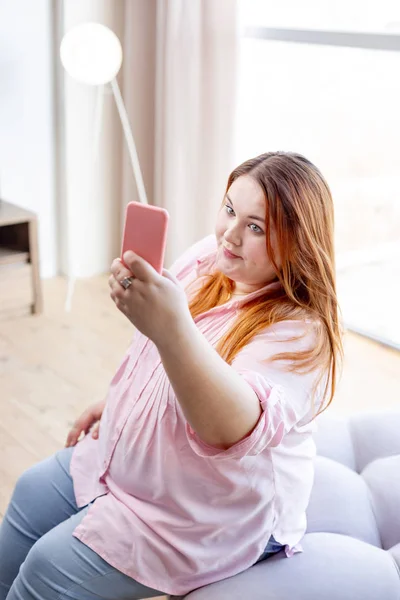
column 217, row 402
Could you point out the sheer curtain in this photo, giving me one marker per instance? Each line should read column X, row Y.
column 178, row 82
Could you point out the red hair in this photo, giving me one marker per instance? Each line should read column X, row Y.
column 300, row 205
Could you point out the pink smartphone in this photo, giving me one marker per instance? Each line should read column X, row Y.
column 145, row 233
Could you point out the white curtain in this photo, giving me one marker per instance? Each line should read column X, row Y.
column 178, row 82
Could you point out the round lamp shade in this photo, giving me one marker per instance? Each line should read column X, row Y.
column 91, row 53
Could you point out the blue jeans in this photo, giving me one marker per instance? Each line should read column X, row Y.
column 39, row 557
column 272, row 548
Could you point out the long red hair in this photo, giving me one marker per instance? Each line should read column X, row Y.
column 300, row 205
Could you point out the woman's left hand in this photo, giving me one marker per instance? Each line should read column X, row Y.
column 155, row 304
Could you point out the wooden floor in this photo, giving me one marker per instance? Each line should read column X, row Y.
column 54, row 365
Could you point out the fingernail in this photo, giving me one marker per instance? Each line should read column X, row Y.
column 128, row 255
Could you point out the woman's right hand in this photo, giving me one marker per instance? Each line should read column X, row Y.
column 91, row 416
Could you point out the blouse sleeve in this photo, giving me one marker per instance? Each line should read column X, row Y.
column 285, row 396
column 187, row 262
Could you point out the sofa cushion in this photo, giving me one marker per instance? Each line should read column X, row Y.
column 352, row 544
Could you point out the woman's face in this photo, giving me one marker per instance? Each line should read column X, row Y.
column 240, row 230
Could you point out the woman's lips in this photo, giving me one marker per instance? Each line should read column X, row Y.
column 229, row 254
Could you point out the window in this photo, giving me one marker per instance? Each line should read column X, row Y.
column 338, row 106
column 367, row 16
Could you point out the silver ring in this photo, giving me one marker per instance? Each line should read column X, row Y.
column 126, row 282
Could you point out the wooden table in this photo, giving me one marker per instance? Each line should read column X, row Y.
column 19, row 259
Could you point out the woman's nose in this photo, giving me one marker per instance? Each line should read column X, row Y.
column 232, row 236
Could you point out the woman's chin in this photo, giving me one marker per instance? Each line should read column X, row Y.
column 225, row 266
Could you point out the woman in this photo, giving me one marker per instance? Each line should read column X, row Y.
column 203, row 462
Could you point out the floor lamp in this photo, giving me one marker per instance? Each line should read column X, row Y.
column 92, row 54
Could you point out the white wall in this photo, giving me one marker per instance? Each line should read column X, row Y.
column 27, row 138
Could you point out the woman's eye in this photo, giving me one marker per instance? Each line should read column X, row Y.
column 252, row 226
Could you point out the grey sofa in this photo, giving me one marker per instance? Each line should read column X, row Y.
column 352, row 545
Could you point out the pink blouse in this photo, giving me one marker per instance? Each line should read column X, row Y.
column 171, row 511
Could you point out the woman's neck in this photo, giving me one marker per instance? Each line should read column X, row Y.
column 239, row 291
